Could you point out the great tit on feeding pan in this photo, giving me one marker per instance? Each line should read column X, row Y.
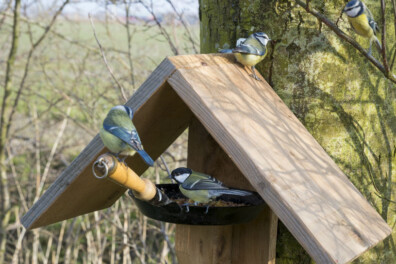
column 362, row 21
column 119, row 134
column 251, row 50
column 200, row 187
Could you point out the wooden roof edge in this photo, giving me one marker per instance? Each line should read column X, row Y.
column 155, row 80
column 62, row 181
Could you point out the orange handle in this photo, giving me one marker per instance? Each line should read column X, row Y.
column 118, row 172
column 143, row 189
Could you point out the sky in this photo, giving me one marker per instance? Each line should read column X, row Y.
column 83, row 7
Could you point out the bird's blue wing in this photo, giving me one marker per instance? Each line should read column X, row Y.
column 132, row 139
column 248, row 49
column 121, row 133
column 371, row 20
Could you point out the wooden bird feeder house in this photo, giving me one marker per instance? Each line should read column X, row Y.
column 242, row 133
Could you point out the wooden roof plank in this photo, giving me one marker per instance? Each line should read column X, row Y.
column 282, row 160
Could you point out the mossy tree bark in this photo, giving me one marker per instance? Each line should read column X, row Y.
column 345, row 103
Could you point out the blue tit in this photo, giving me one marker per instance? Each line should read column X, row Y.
column 119, row 134
column 200, row 187
column 362, row 21
column 251, row 50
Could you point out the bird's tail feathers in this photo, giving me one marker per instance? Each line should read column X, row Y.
column 225, row 50
column 234, row 192
column 146, row 157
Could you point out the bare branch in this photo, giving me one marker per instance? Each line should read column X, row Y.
column 348, row 39
column 129, row 40
column 383, row 35
column 160, row 27
column 180, row 16
column 394, row 16
column 26, row 72
column 105, row 61
column 5, row 196
column 4, row 13
column 52, row 154
column 16, row 180
column 9, row 71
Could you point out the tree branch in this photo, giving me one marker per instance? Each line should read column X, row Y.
column 9, row 71
column 5, row 196
column 183, row 22
column 394, row 15
column 105, row 61
column 348, row 39
column 160, row 27
column 26, row 72
column 383, row 35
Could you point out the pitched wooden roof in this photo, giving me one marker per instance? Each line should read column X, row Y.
column 269, row 145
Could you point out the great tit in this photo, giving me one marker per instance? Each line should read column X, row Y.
column 362, row 21
column 202, row 188
column 251, row 50
column 119, row 134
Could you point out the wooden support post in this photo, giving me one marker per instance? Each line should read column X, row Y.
column 252, row 242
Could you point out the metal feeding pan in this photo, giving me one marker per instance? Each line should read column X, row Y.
column 251, row 206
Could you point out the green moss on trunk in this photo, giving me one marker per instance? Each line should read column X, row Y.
column 345, row 103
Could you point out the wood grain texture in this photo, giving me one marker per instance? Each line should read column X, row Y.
column 205, row 155
column 282, row 161
column 255, row 241
column 252, row 242
column 160, row 117
column 203, row 244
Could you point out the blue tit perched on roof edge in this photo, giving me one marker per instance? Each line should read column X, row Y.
column 200, row 187
column 362, row 21
column 119, row 134
column 251, row 50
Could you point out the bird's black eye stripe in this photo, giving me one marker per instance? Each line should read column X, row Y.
column 129, row 111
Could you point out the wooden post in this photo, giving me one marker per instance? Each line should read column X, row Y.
column 252, row 242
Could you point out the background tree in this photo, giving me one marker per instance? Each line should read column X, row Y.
column 346, row 101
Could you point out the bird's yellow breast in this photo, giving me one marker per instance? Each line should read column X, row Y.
column 200, row 196
column 361, row 25
column 248, row 59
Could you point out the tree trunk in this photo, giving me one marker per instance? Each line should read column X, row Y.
column 345, row 103
column 5, row 203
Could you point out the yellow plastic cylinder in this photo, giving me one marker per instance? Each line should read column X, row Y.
column 121, row 174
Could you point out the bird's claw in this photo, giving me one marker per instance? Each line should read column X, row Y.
column 255, row 77
column 187, row 205
column 122, row 160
